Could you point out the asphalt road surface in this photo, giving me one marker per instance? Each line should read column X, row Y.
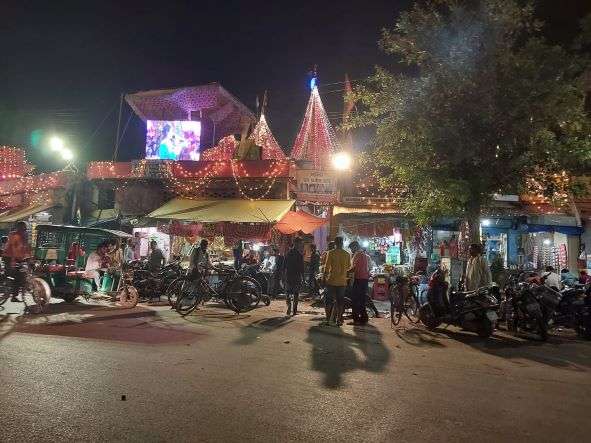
column 90, row 373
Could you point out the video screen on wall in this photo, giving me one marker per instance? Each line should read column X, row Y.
column 173, row 140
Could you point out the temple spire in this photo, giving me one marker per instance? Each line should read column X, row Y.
column 316, row 140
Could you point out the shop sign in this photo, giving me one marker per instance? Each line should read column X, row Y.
column 316, row 186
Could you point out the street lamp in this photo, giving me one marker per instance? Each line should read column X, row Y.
column 342, row 161
column 56, row 143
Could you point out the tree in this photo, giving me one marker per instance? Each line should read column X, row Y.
column 485, row 104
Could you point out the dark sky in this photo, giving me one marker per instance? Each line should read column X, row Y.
column 64, row 63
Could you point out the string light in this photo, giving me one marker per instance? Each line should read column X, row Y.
column 13, row 163
column 264, row 138
column 316, row 141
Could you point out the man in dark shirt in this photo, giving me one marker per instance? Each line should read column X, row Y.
column 294, row 273
column 313, row 270
column 156, row 259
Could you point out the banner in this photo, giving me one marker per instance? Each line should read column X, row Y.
column 316, row 186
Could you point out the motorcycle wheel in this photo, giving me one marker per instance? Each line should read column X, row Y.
column 427, row 317
column 485, row 328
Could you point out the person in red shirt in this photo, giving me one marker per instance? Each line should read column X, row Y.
column 360, row 270
column 17, row 249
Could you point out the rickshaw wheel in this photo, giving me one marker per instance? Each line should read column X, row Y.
column 40, row 291
column 128, row 297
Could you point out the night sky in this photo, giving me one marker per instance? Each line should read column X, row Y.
column 64, row 63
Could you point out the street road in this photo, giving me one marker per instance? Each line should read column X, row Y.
column 215, row 376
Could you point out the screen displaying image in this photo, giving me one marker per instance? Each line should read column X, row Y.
column 173, row 140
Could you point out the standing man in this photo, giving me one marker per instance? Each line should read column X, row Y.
column 156, row 259
column 16, row 250
column 360, row 270
column 128, row 254
column 237, row 252
column 477, row 270
column 294, row 273
column 199, row 260
column 313, row 270
column 338, row 262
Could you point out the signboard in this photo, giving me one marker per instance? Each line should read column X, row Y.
column 316, row 186
column 173, row 140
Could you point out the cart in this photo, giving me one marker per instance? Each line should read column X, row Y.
column 66, row 276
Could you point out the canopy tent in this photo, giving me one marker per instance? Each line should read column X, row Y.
column 293, row 222
column 210, row 101
column 224, row 210
column 24, row 213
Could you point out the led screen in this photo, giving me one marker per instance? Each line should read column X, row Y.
column 173, row 140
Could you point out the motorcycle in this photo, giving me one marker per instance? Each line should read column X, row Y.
column 526, row 312
column 582, row 321
column 567, row 308
column 475, row 311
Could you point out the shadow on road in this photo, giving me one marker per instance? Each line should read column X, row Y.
column 557, row 352
column 253, row 330
column 335, row 352
column 419, row 337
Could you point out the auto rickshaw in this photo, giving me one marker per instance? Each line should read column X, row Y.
column 62, row 251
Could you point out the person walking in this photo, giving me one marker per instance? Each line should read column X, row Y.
column 338, row 263
column 360, row 271
column 294, row 273
column 477, row 270
column 313, row 270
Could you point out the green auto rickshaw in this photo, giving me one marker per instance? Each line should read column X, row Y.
column 62, row 251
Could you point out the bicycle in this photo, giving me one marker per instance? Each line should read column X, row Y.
column 238, row 292
column 404, row 300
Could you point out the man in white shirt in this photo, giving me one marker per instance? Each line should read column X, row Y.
column 477, row 270
column 551, row 278
column 268, row 264
column 93, row 264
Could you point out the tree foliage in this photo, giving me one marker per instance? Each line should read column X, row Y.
column 488, row 102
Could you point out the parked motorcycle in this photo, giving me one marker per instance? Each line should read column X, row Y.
column 583, row 316
column 475, row 311
column 526, row 309
column 566, row 308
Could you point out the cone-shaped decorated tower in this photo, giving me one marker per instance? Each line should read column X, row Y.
column 263, row 137
column 316, row 141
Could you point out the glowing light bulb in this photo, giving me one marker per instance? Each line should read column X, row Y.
column 56, row 144
column 341, row 161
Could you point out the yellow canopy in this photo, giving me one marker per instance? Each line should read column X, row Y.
column 24, row 213
column 224, row 210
